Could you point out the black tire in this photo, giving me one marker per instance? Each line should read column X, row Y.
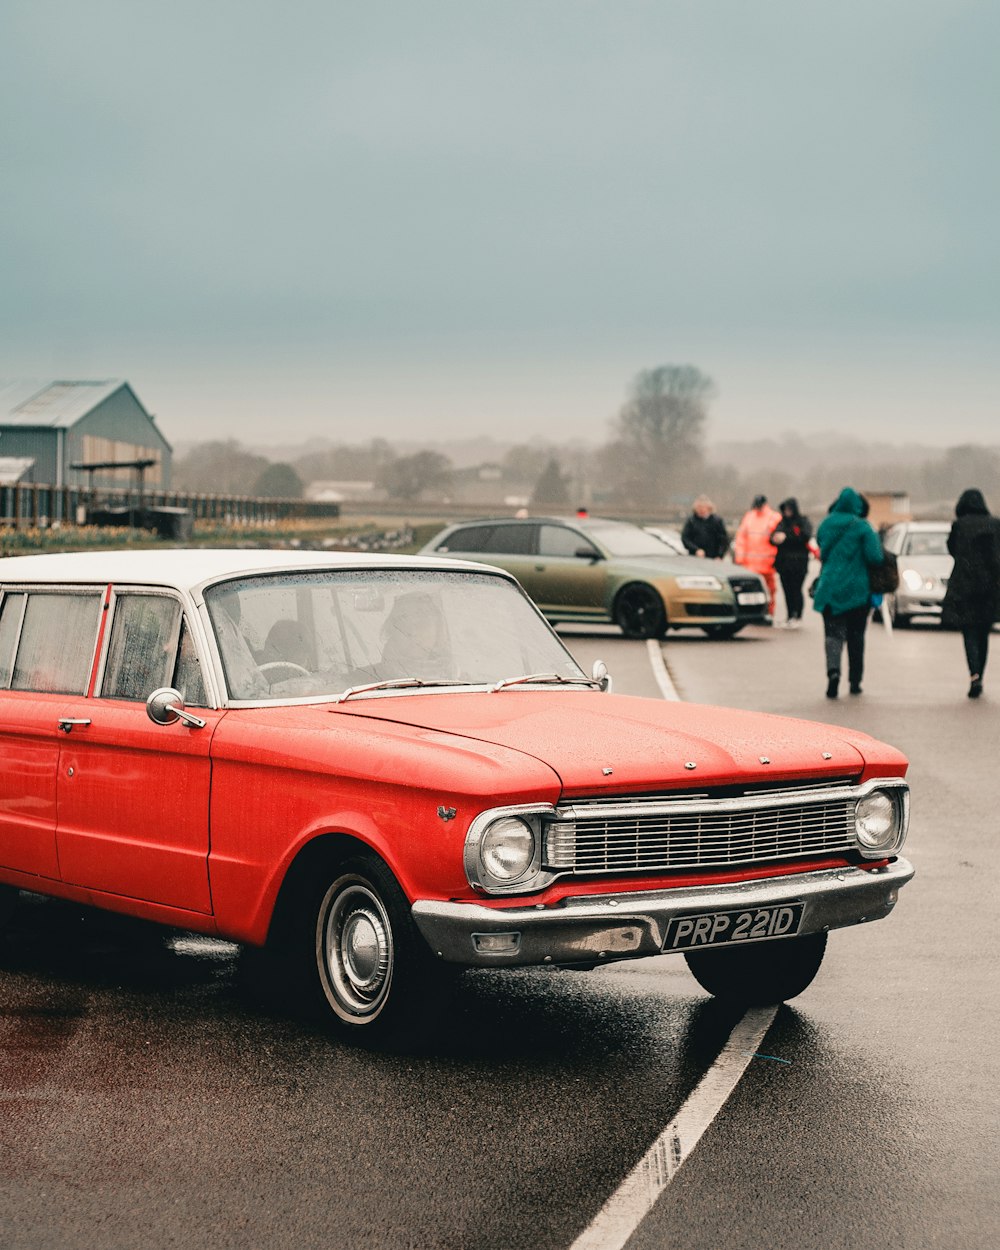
column 377, row 978
column 898, row 621
column 761, row 973
column 720, row 632
column 639, row 612
column 9, row 899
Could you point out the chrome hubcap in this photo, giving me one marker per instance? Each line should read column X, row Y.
column 358, row 951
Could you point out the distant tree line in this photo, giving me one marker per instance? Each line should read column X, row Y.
column 655, row 461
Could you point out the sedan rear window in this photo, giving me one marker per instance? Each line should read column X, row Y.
column 56, row 646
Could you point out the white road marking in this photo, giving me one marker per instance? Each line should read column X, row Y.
column 660, row 671
column 621, row 1215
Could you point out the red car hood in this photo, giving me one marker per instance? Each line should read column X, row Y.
column 601, row 742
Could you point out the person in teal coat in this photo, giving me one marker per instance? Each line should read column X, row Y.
column 848, row 547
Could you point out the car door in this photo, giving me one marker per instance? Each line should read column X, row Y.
column 47, row 643
column 561, row 577
column 133, row 796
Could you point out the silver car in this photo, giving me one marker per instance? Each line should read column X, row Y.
column 921, row 549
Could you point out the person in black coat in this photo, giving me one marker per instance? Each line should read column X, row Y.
column 972, row 600
column 704, row 532
column 792, row 536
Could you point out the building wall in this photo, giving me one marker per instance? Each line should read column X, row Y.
column 41, row 445
column 118, row 429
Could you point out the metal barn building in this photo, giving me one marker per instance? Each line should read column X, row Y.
column 61, row 424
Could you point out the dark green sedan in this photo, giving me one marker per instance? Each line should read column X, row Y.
column 601, row 571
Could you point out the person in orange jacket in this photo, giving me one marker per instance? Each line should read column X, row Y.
column 752, row 545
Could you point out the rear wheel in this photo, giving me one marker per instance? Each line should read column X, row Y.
column 639, row 612
column 761, row 973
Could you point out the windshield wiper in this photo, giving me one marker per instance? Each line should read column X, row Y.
column 394, row 683
column 544, row 678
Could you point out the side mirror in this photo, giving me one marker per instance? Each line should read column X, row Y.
column 164, row 706
column 588, row 553
column 601, row 675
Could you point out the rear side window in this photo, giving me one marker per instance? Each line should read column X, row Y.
column 499, row 540
column 56, row 645
column 513, row 540
column 472, row 538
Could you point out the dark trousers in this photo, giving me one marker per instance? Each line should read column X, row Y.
column 977, row 644
column 791, row 584
column 849, row 628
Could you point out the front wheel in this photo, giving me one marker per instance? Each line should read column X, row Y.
column 639, row 612
column 898, row 620
column 721, row 632
column 761, row 973
column 376, row 974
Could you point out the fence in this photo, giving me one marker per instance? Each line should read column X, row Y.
column 31, row 505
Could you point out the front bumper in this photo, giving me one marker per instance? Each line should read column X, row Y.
column 603, row 928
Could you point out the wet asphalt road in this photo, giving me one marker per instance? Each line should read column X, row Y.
column 156, row 1089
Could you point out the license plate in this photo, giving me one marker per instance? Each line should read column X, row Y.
column 748, row 597
column 721, row 928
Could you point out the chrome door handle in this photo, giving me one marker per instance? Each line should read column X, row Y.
column 66, row 723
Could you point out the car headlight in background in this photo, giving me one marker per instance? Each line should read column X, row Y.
column 699, row 582
column 503, row 849
column 880, row 821
column 914, row 580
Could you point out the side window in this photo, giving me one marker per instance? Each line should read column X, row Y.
column 512, row 540
column 557, row 540
column 143, row 646
column 471, row 538
column 187, row 672
column 56, row 646
column 11, row 612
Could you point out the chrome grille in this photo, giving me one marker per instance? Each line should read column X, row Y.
column 631, row 836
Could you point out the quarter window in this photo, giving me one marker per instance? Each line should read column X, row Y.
column 56, row 647
column 11, row 611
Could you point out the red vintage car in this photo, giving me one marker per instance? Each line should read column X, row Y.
column 386, row 767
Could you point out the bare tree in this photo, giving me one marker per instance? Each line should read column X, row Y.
column 656, row 452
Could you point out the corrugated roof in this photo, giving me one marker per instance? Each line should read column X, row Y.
column 52, row 403
column 13, row 468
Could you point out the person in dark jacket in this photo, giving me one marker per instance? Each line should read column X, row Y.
column 792, row 536
column 972, row 600
column 704, row 532
column 848, row 547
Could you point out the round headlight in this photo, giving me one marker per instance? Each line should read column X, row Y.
column 507, row 850
column 875, row 820
column 912, row 580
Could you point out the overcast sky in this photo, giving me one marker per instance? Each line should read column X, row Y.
column 440, row 218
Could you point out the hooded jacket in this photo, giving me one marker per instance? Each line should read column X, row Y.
column 973, row 594
column 848, row 547
column 792, row 553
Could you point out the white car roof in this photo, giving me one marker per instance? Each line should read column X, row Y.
column 186, row 570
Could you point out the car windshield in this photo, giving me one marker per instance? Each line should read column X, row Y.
column 626, row 540
column 316, row 634
column 926, row 543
